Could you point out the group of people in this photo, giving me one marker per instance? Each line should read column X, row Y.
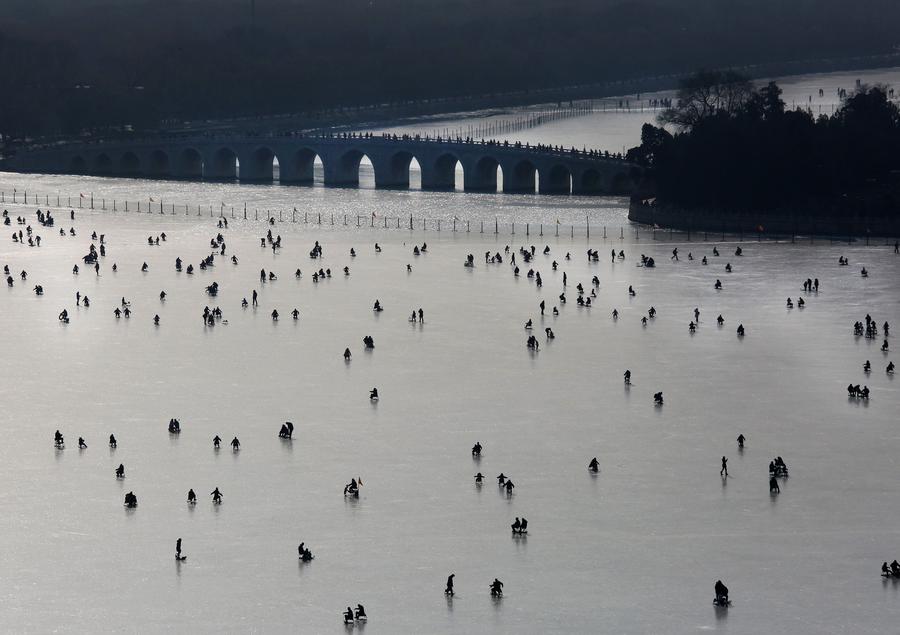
column 359, row 616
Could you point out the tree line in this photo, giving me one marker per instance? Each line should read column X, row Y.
column 727, row 145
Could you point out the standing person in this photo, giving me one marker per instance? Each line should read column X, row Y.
column 449, row 589
column 724, row 470
column 741, row 438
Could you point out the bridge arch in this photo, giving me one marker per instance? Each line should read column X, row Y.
column 189, row 164
column 129, row 164
column 394, row 170
column 520, row 177
column 483, row 177
column 78, row 165
column 591, row 182
column 222, row 164
column 621, row 183
column 158, row 164
column 103, row 164
column 298, row 166
column 556, row 179
column 258, row 164
column 440, row 173
column 346, row 167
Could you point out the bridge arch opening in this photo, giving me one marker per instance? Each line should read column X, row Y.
column 486, row 176
column 189, row 164
column 621, row 184
column 103, row 164
column 402, row 171
column 445, row 173
column 129, row 164
column 591, row 182
column 557, row 180
column 158, row 164
column 258, row 165
column 224, row 165
column 522, row 178
column 354, row 168
column 78, row 165
column 303, row 167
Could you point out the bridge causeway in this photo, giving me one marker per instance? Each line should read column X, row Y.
column 257, row 158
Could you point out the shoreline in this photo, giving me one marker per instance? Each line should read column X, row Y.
column 766, row 223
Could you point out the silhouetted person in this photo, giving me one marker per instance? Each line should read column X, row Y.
column 449, row 589
column 721, row 593
column 724, row 470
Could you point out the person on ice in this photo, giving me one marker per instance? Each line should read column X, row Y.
column 721, row 594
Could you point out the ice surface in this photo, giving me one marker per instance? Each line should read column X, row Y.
column 635, row 549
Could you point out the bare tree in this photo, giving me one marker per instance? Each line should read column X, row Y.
column 705, row 94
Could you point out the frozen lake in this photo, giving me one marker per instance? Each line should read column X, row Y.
column 634, row 549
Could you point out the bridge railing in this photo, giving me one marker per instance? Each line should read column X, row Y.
column 405, row 139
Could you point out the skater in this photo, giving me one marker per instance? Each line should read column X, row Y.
column 476, row 449
column 112, row 441
column 773, row 485
column 594, row 465
column 191, row 497
column 178, row 555
column 235, row 444
column 216, row 442
column 216, row 496
column 741, row 438
column 721, row 593
column 496, row 588
column 449, row 589
column 120, row 471
column 724, row 470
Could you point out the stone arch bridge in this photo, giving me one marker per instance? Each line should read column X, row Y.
column 289, row 159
